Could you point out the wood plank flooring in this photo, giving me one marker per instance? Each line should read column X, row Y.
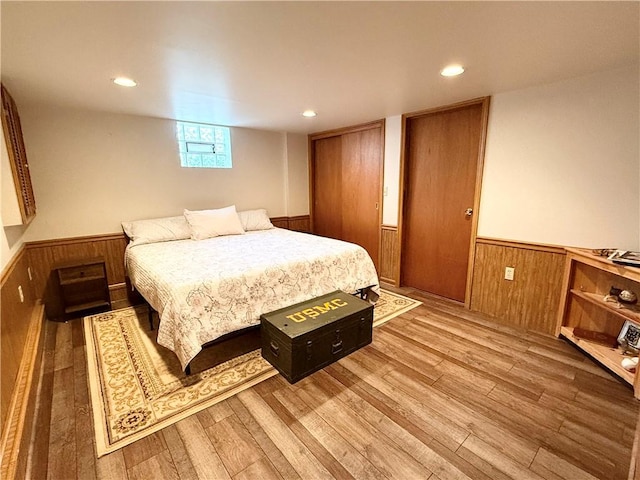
column 441, row 393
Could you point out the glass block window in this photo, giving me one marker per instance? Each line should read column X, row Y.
column 204, row 146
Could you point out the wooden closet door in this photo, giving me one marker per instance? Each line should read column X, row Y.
column 361, row 186
column 442, row 155
column 346, row 179
column 327, row 187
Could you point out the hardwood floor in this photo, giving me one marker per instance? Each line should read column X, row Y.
column 441, row 393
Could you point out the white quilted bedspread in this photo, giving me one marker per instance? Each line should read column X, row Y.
column 203, row 289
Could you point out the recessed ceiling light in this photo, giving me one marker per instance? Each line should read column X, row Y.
column 452, row 70
column 309, row 113
column 124, row 82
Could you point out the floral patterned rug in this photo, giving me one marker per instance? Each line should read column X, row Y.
column 137, row 387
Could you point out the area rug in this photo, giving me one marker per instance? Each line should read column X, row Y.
column 137, row 387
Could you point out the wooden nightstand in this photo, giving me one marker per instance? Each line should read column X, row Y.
column 83, row 285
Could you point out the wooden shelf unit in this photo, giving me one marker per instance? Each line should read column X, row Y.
column 587, row 280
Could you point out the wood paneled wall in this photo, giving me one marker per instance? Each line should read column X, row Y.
column 300, row 223
column 14, row 325
column 531, row 300
column 389, row 255
column 21, row 330
column 21, row 417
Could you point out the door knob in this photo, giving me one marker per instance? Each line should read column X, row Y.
column 468, row 212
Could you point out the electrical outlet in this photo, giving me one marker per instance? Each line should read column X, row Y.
column 20, row 293
column 29, row 272
column 508, row 273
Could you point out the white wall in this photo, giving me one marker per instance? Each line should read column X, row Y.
column 562, row 166
column 11, row 236
column 10, row 207
column 392, row 147
column 562, row 163
column 297, row 175
column 92, row 170
column 11, row 239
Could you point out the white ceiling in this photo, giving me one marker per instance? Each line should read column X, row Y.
column 261, row 64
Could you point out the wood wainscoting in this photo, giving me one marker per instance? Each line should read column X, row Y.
column 14, row 324
column 389, row 255
column 21, row 322
column 301, row 223
column 531, row 300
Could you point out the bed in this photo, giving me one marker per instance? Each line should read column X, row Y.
column 208, row 288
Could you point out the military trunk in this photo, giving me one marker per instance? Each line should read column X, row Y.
column 303, row 338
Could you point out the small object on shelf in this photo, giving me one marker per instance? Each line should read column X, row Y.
column 627, row 297
column 612, row 296
column 625, row 257
column 603, row 252
column 598, row 337
column 626, row 349
column 629, row 336
column 629, row 363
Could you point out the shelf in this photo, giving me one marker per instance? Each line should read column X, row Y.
column 81, row 279
column 602, row 263
column 609, row 357
column 623, row 312
column 86, row 306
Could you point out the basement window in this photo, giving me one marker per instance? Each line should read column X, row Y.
column 204, row 146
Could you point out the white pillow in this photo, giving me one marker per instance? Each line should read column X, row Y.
column 213, row 223
column 255, row 220
column 156, row 230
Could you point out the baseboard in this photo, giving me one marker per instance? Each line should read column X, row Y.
column 20, row 416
